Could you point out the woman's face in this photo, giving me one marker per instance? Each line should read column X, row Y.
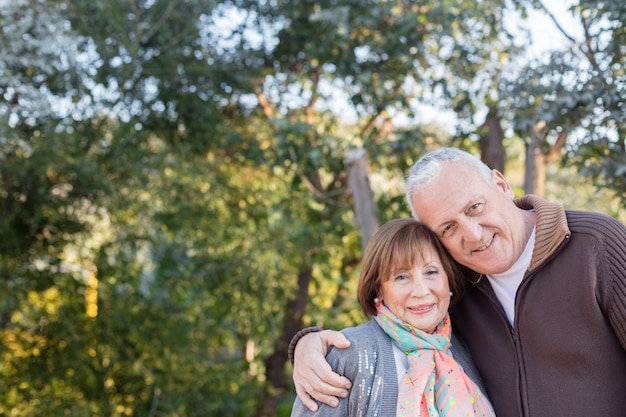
column 420, row 296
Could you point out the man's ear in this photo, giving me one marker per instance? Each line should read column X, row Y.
column 502, row 183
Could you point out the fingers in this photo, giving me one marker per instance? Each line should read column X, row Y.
column 322, row 391
column 305, row 398
column 307, row 380
column 326, row 399
column 313, row 377
column 334, row 338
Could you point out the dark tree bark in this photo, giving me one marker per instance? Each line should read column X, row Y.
column 533, row 166
column 275, row 373
column 539, row 153
column 491, row 141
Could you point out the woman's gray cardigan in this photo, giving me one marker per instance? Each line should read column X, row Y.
column 370, row 364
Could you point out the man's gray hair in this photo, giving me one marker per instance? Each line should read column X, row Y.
column 428, row 167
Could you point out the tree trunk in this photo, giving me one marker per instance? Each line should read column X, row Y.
column 367, row 218
column 491, row 141
column 364, row 206
column 539, row 153
column 277, row 381
column 530, row 174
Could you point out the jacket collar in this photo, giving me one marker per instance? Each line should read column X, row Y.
column 551, row 227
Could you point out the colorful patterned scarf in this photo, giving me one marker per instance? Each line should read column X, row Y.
column 434, row 384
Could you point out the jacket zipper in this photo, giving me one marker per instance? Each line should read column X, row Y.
column 521, row 376
column 495, row 304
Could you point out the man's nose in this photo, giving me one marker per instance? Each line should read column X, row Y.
column 472, row 231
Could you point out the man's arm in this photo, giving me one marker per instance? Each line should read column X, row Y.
column 615, row 249
column 312, row 375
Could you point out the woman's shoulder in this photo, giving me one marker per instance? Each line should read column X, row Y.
column 367, row 338
column 360, row 336
column 369, row 347
column 366, row 334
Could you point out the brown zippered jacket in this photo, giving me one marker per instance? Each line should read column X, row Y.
column 566, row 353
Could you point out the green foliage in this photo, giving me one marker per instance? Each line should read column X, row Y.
column 605, row 163
column 578, row 91
column 170, row 169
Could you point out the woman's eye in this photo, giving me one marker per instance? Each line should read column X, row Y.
column 401, row 277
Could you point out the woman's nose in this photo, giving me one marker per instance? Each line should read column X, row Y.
column 419, row 287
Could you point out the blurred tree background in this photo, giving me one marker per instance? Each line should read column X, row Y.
column 179, row 180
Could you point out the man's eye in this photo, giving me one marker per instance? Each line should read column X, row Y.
column 447, row 231
column 477, row 208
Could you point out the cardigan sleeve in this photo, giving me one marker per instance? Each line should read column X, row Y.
column 296, row 338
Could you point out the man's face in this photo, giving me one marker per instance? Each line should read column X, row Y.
column 477, row 222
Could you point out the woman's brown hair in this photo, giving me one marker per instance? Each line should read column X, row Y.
column 399, row 243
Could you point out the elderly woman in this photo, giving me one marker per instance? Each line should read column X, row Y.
column 405, row 361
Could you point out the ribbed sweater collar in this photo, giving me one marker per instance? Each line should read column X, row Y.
column 551, row 227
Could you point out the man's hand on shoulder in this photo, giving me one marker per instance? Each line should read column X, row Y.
column 312, row 375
